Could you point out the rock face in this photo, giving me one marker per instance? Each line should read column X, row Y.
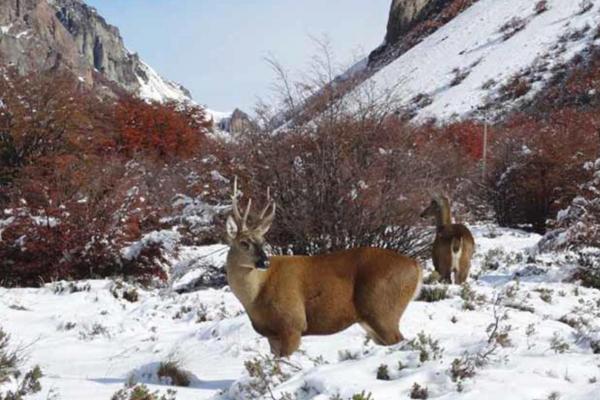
column 405, row 13
column 39, row 35
column 237, row 123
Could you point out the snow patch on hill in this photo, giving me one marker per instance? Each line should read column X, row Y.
column 461, row 66
column 155, row 88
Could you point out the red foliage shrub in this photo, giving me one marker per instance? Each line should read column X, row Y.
column 535, row 169
column 163, row 130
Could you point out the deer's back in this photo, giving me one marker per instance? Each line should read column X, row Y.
column 445, row 234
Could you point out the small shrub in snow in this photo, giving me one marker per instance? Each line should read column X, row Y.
column 141, row 392
column 470, row 298
column 92, row 332
column 595, row 345
column 383, row 374
column 498, row 331
column 554, row 396
column 558, row 344
column 490, row 83
column 492, row 259
column 545, row 294
column 462, row 368
column 541, row 7
column 433, row 277
column 362, row 396
column 428, row 348
column 345, row 355
column 588, row 271
column 512, row 26
column 125, row 291
column 62, row 287
column 459, row 76
column 419, row 392
column 529, row 332
column 585, row 6
column 515, row 88
column 422, row 100
column 264, row 372
column 10, row 363
column 131, row 295
column 170, row 373
column 430, row 293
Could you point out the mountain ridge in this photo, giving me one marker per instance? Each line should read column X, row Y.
column 41, row 35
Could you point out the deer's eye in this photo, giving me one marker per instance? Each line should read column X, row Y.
column 245, row 245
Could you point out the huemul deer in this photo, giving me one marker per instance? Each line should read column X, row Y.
column 315, row 295
column 453, row 245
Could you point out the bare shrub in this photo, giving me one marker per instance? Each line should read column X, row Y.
column 585, row 6
column 142, row 392
column 459, row 76
column 428, row 348
column 383, row 373
column 419, row 392
column 11, row 360
column 171, row 372
column 348, row 173
column 515, row 88
column 433, row 293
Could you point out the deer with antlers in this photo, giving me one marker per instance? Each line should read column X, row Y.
column 453, row 246
column 315, row 295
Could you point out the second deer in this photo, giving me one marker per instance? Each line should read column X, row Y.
column 453, row 246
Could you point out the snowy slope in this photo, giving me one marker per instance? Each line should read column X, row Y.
column 156, row 88
column 89, row 342
column 474, row 44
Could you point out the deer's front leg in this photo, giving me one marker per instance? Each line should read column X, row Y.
column 275, row 345
column 289, row 341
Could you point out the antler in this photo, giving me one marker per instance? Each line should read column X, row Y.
column 269, row 200
column 241, row 221
column 267, row 219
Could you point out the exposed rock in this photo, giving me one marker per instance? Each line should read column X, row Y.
column 237, row 123
column 404, row 14
column 39, row 35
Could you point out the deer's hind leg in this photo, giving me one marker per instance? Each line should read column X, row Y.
column 382, row 322
column 383, row 333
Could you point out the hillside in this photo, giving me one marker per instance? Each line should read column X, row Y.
column 41, row 35
column 473, row 65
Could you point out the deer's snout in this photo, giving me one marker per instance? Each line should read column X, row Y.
column 263, row 259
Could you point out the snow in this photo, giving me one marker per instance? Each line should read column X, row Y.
column 218, row 116
column 166, row 239
column 89, row 342
column 159, row 89
column 473, row 42
column 156, row 88
column 4, row 29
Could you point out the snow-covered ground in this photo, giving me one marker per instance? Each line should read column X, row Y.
column 89, row 340
column 464, row 64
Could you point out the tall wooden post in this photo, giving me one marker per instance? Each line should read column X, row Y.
column 485, row 140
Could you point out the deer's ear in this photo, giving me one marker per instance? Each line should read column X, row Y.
column 231, row 228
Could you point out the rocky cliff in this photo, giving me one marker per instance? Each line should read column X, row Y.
column 404, row 14
column 37, row 35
